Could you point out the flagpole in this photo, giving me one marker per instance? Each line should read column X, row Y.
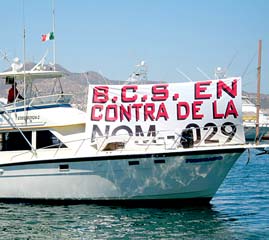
column 53, row 30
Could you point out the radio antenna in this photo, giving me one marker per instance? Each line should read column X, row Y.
column 53, row 30
column 183, row 74
column 203, row 73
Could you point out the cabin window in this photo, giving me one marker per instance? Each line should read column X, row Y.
column 131, row 163
column 46, row 139
column 13, row 141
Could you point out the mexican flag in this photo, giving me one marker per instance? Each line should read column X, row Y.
column 48, row 36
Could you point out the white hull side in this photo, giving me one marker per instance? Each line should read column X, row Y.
column 168, row 176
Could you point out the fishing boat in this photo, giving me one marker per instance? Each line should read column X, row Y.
column 146, row 143
column 249, row 120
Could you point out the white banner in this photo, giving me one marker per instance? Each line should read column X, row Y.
column 212, row 109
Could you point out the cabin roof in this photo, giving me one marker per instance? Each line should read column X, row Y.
column 31, row 74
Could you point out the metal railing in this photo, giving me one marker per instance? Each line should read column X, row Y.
column 42, row 100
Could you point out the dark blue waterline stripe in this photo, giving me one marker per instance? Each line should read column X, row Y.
column 150, row 203
column 39, row 107
column 208, row 159
column 128, row 157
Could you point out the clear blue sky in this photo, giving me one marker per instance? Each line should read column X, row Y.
column 112, row 36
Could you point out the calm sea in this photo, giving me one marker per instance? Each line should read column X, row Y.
column 240, row 210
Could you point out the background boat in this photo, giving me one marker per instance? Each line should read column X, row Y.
column 249, row 119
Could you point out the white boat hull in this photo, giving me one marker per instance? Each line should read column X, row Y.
column 173, row 176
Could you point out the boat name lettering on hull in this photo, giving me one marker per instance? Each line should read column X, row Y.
column 31, row 117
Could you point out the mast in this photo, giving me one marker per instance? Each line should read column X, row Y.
column 258, row 101
column 54, row 42
column 24, row 59
column 24, row 62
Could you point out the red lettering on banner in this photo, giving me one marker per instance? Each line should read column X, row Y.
column 162, row 112
column 200, row 88
column 111, row 113
column 160, row 92
column 105, row 110
column 125, row 112
column 94, row 116
column 126, row 89
column 100, row 94
column 195, row 109
column 180, row 115
column 231, row 109
column 221, row 86
column 137, row 107
column 216, row 115
column 149, row 110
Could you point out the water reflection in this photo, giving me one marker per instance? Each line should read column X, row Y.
column 103, row 222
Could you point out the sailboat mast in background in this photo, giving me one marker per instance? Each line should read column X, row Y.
column 258, row 100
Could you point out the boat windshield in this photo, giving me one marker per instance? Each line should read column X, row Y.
column 37, row 86
column 44, row 100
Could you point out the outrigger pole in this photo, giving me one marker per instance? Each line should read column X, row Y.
column 258, row 100
column 53, row 30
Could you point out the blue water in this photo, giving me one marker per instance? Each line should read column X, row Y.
column 240, row 210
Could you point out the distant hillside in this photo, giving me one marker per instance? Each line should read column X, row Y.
column 77, row 84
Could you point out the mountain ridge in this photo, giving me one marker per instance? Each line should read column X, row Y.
column 77, row 84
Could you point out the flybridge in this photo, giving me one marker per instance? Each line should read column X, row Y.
column 30, row 75
column 39, row 71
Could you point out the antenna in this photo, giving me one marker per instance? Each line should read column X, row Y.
column 230, row 63
column 247, row 67
column 53, row 30
column 203, row 73
column 105, row 80
column 140, row 73
column 183, row 74
column 85, row 74
column 40, row 63
column 4, row 56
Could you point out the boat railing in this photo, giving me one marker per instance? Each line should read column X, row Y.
column 43, row 100
column 162, row 140
column 167, row 139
